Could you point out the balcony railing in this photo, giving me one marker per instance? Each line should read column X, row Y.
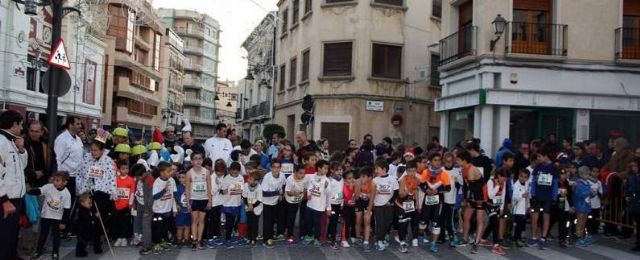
column 263, row 110
column 246, row 114
column 628, row 43
column 537, row 38
column 458, row 45
column 191, row 82
column 193, row 49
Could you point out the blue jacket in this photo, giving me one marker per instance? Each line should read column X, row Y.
column 500, row 154
column 633, row 192
column 581, row 194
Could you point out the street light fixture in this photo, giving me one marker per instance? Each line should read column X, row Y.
column 229, row 104
column 249, row 75
column 499, row 23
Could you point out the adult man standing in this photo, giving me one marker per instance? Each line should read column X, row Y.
column 190, row 143
column 596, row 158
column 69, row 152
column 13, row 160
column 274, row 149
column 219, row 147
column 304, row 146
column 37, row 170
column 170, row 138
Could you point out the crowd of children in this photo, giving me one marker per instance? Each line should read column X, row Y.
column 441, row 198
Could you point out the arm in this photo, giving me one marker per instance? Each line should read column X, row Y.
column 209, row 188
column 372, row 196
column 187, row 186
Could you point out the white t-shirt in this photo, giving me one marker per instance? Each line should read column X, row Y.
column 270, row 183
column 317, row 190
column 253, row 195
column 198, row 184
column 456, row 177
column 216, row 187
column 55, row 202
column 393, row 170
column 294, row 185
column 234, row 186
column 595, row 200
column 166, row 203
column 336, row 195
column 493, row 188
column 139, row 192
column 218, row 148
column 520, row 204
column 385, row 187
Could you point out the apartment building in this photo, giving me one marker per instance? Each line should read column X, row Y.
column 201, row 35
column 173, row 71
column 562, row 68
column 365, row 63
column 257, row 89
column 133, row 95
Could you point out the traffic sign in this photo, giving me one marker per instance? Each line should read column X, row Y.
column 58, row 57
column 62, row 86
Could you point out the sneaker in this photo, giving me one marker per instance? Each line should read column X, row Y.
column 269, row 243
column 591, row 239
column 211, row 244
column 563, row 244
column 194, row 246
column 334, row 245
column 542, row 244
column 316, row 243
column 380, row 246
column 519, row 243
column 290, row 241
column 474, row 249
column 532, row 242
column 385, row 243
column 356, row 241
column 253, row 243
column 414, row 242
column 54, row 257
column 366, row 247
column 259, row 237
column 345, row 244
column 308, row 240
column 157, row 249
column 403, row 247
column 145, row 251
column 229, row 245
column 279, row 238
column 433, row 247
column 201, row 245
column 463, row 242
column 498, row 250
column 582, row 242
column 506, row 244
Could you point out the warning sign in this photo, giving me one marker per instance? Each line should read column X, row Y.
column 59, row 57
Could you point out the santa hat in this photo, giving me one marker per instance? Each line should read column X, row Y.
column 613, row 134
column 157, row 136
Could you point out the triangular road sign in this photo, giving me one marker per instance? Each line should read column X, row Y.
column 58, row 57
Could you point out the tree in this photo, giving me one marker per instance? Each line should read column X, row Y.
column 271, row 129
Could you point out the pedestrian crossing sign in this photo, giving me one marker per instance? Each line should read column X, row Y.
column 58, row 57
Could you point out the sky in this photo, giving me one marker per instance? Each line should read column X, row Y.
column 237, row 19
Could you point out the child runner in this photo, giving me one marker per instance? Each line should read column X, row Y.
column 582, row 204
column 198, row 187
column 349, row 212
column 88, row 227
column 593, row 224
column 55, row 212
column 434, row 182
column 232, row 186
column 272, row 189
column 475, row 199
column 183, row 218
column 144, row 196
column 497, row 190
column 449, row 212
column 336, row 201
column 252, row 196
column 317, row 203
column 126, row 187
column 382, row 196
column 364, row 188
column 294, row 192
column 544, row 191
column 405, row 205
column 164, row 196
column 214, row 214
column 520, row 202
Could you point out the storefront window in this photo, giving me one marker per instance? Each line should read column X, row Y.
column 460, row 126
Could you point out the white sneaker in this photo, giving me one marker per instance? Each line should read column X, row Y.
column 345, row 244
column 117, row 242
column 414, row 242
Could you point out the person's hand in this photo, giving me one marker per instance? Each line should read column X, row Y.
column 166, row 187
column 250, row 208
column 572, row 210
column 175, row 214
column 328, row 213
column 431, row 192
column 19, row 142
column 62, row 226
column 189, row 208
column 39, row 174
column 525, row 195
column 8, row 208
column 208, row 207
column 98, row 215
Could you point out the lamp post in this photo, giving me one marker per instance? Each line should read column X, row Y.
column 58, row 11
column 499, row 23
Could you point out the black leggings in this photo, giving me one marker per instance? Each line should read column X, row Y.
column 384, row 220
column 121, row 223
column 212, row 222
column 160, row 228
column 494, row 225
column 273, row 214
column 593, row 223
column 252, row 224
column 349, row 216
column 521, row 225
column 446, row 220
column 292, row 211
column 406, row 221
column 336, row 212
column 45, row 226
column 231, row 221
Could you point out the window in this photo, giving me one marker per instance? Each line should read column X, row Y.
column 387, row 61
column 282, row 75
column 337, row 59
column 285, row 21
column 305, row 66
column 434, row 74
column 390, row 2
column 308, row 6
column 156, row 53
column 293, row 67
column 338, row 1
column 436, row 8
column 296, row 11
column 130, row 28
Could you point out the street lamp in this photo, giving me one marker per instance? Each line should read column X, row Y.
column 499, row 23
column 58, row 11
column 249, row 75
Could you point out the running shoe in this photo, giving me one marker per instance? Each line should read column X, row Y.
column 345, row 244
column 474, row 249
column 498, row 250
column 433, row 247
column 403, row 247
column 366, row 247
column 269, row 243
column 542, row 244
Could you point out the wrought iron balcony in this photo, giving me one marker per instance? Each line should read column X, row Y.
column 537, row 38
column 628, row 43
column 459, row 45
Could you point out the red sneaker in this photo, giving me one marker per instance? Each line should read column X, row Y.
column 498, row 250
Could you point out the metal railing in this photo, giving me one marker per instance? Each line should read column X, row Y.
column 627, row 43
column 537, row 38
column 458, row 45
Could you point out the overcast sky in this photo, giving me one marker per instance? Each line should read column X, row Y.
column 237, row 19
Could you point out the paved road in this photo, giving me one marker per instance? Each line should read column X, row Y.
column 604, row 249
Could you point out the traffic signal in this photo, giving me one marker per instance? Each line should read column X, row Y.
column 307, row 103
column 306, row 117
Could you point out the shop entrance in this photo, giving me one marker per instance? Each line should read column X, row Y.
column 530, row 123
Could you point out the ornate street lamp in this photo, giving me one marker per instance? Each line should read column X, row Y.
column 499, row 23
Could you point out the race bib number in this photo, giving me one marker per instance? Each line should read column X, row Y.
column 315, row 191
column 545, row 179
column 287, row 168
column 235, row 188
column 339, row 196
column 296, row 199
column 123, row 193
column 384, row 189
column 95, row 172
column 199, row 187
column 497, row 201
column 432, row 200
column 409, row 206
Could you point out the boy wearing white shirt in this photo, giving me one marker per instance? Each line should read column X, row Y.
column 294, row 190
column 55, row 212
column 252, row 196
column 272, row 189
column 219, row 170
column 317, row 202
column 384, row 191
column 232, row 186
column 164, row 191
column 336, row 201
column 596, row 193
column 520, row 202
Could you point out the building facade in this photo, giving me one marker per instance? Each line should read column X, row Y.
column 133, row 92
column 257, row 91
column 201, row 35
column 26, row 48
column 226, row 103
column 173, row 71
column 551, row 71
column 366, row 64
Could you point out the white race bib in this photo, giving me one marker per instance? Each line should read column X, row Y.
column 95, row 172
column 497, row 201
column 409, row 206
column 199, row 187
column 545, row 179
column 123, row 193
column 431, row 200
column 287, row 169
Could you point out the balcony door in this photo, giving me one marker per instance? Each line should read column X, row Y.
column 531, row 27
column 631, row 30
column 465, row 30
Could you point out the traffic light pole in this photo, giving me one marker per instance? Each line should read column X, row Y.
column 52, row 93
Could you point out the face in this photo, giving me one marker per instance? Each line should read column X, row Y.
column 312, row 160
column 59, row 183
column 35, row 132
column 368, row 137
column 234, row 173
column 124, row 170
column 448, row 162
column 337, row 172
column 462, row 163
column 411, row 171
column 166, row 174
column 123, row 156
column 301, row 139
column 275, row 168
column 258, row 147
column 196, row 161
column 182, row 178
column 501, row 179
column 436, row 162
column 408, row 157
column 76, row 126
column 347, row 164
column 509, row 163
column 364, row 178
column 252, row 181
column 349, row 179
column 87, row 203
column 421, row 165
column 353, row 144
column 170, row 134
column 524, row 148
column 566, row 144
column 523, row 177
column 276, row 138
column 325, row 145
column 286, row 150
column 96, row 152
column 221, row 132
column 187, row 138
column 578, row 152
column 300, row 174
column 592, row 149
column 595, row 172
column 380, row 171
column 323, row 170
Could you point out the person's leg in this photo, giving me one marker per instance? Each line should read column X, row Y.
column 359, row 224
column 466, row 225
column 493, row 226
column 45, row 225
column 166, row 223
column 446, row 219
column 378, row 215
column 546, row 220
column 349, row 222
column 156, row 228
column 55, row 235
column 520, row 226
column 317, row 226
column 215, row 222
column 333, row 223
column 229, row 226
column 403, row 223
column 292, row 211
column 280, row 215
column 267, row 221
column 10, row 228
column 252, row 224
column 534, row 224
column 480, row 216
